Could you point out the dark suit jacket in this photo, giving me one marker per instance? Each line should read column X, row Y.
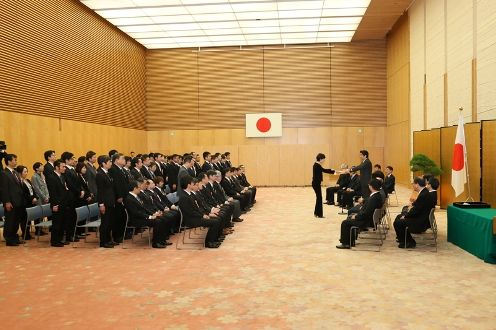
column 355, row 184
column 28, row 197
column 172, row 174
column 105, row 189
column 365, row 215
column 72, row 182
column 121, row 184
column 91, row 178
column 208, row 195
column 343, row 180
column 228, row 187
column 182, row 172
column 48, row 169
column 136, row 173
column 389, row 182
column 365, row 169
column 163, row 196
column 148, row 203
column 207, row 166
column 138, row 215
column 244, row 180
column 218, row 192
column 418, row 215
column 192, row 215
column 146, row 173
column 12, row 191
column 86, row 189
column 58, row 192
column 317, row 171
column 157, row 200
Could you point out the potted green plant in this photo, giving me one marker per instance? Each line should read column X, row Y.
column 423, row 164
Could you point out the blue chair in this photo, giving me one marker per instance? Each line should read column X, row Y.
column 134, row 231
column 82, row 216
column 33, row 213
column 94, row 220
column 46, row 211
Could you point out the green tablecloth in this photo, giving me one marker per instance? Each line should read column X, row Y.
column 472, row 230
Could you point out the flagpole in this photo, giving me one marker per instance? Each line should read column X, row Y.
column 467, row 175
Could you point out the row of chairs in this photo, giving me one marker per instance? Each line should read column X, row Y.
column 376, row 235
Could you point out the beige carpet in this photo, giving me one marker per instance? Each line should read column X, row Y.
column 279, row 270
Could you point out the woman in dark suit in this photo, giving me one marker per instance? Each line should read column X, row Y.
column 316, row 181
column 30, row 198
column 88, row 197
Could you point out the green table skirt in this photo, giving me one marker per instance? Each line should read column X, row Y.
column 472, row 230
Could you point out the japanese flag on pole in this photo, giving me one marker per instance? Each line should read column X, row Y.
column 459, row 169
column 263, row 124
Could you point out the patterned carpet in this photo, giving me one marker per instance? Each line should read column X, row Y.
column 279, row 270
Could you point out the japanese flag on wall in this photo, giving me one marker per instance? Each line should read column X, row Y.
column 263, row 124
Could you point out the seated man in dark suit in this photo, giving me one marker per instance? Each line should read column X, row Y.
column 389, row 180
column 194, row 217
column 139, row 216
column 170, row 211
column 244, row 182
column 417, row 217
column 342, row 183
column 432, row 185
column 363, row 218
column 220, row 196
column 345, row 196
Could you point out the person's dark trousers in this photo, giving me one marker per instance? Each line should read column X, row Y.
column 213, row 229
column 347, row 199
column 242, row 201
column 58, row 225
column 249, row 197
column 399, row 227
column 345, row 231
column 170, row 222
column 318, row 211
column 106, row 225
column 119, row 223
column 11, row 225
column 339, row 197
column 159, row 229
column 330, row 194
column 355, row 209
column 70, row 223
column 253, row 193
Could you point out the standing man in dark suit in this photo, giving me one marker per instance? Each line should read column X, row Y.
column 50, row 158
column 365, row 169
column 59, row 202
column 121, row 186
column 135, row 171
column 106, row 200
column 76, row 192
column 183, row 172
column 207, row 165
column 363, row 218
column 172, row 173
column 91, row 172
column 12, row 199
column 145, row 169
column 228, row 159
column 417, row 217
column 389, row 180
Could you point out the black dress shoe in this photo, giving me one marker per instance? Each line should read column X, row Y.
column 72, row 240
column 107, row 245
column 158, row 246
column 237, row 220
column 12, row 244
column 343, row 246
column 114, row 243
column 319, row 216
column 212, row 245
column 167, row 243
column 58, row 244
column 28, row 237
column 409, row 245
column 66, row 243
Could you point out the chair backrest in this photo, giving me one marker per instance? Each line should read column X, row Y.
column 34, row 213
column 378, row 213
column 94, row 210
column 181, row 217
column 82, row 213
column 2, row 212
column 432, row 220
column 46, row 210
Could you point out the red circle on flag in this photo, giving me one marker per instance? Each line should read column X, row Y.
column 458, row 159
column 263, row 124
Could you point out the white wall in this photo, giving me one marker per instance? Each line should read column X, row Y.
column 445, row 36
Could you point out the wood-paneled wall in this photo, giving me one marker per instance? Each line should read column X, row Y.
column 312, row 87
column 397, row 145
column 453, row 50
column 29, row 136
column 60, row 59
column 489, row 162
column 284, row 161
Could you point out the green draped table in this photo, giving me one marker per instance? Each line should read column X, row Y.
column 472, row 230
